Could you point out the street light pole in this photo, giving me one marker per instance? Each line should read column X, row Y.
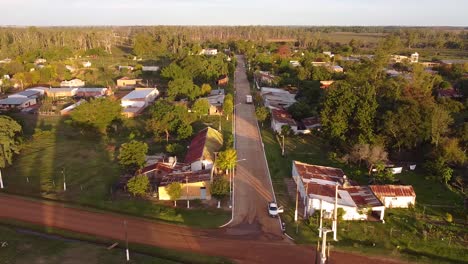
column 187, row 191
column 4, row 163
column 64, row 180
column 335, row 214
column 127, row 252
column 230, row 187
column 282, row 146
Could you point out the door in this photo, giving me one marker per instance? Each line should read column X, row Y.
column 203, row 193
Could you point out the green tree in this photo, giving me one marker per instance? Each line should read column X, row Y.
column 138, row 185
column 175, row 149
column 174, row 190
column 451, row 151
column 219, row 188
column 174, row 71
column 201, row 107
column 439, row 124
column 300, row 110
column 183, row 87
column 227, row 159
column 205, row 89
column 132, row 155
column 262, row 114
column 98, row 113
column 184, row 131
column 228, row 106
column 9, row 140
column 167, row 118
column 286, row 130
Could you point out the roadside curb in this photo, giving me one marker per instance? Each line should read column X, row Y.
column 289, row 236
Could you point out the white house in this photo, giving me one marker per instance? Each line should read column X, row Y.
column 319, row 185
column 73, row 83
column 294, row 63
column 150, row 68
column 209, row 52
column 137, row 100
column 87, row 64
column 414, row 57
column 395, row 196
column 40, row 61
column 280, row 118
column 201, row 152
column 17, row 102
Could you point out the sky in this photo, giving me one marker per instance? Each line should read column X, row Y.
column 234, row 12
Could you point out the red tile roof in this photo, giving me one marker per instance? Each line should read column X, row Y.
column 282, row 116
column 393, row 190
column 186, row 176
column 311, row 121
column 308, row 171
column 203, row 145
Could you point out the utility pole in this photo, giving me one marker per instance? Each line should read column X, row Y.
column 306, row 200
column 282, row 146
column 335, row 214
column 127, row 252
column 297, row 204
column 187, row 191
column 323, row 254
column 321, row 221
column 230, row 187
column 64, row 180
column 4, row 164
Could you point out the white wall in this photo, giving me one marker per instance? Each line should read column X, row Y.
column 351, row 213
column 197, row 165
column 130, row 103
column 398, row 202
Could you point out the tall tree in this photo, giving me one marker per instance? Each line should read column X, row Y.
column 201, row 107
column 174, row 190
column 228, row 105
column 227, row 159
column 138, row 185
column 262, row 114
column 98, row 113
column 132, row 155
column 9, row 141
column 183, row 87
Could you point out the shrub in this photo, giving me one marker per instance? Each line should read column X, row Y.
column 448, row 217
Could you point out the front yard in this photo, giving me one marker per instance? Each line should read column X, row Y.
column 87, row 163
column 417, row 234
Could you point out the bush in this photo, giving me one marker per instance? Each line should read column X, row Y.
column 175, row 149
column 448, row 217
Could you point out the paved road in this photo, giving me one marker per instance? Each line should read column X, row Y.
column 252, row 186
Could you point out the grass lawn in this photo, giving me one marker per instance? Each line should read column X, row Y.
column 89, row 166
column 28, row 243
column 418, row 234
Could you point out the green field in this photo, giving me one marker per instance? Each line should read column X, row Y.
column 418, row 234
column 90, row 169
column 32, row 244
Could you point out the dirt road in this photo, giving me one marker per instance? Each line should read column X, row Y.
column 243, row 249
column 252, row 186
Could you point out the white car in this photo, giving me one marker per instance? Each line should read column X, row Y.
column 274, row 210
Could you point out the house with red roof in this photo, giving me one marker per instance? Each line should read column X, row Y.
column 320, row 187
column 201, row 151
column 280, row 118
column 395, row 196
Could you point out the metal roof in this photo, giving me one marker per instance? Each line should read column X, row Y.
column 393, row 190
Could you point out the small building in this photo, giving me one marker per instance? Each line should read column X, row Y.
column 62, row 92
column 280, row 118
column 336, row 68
column 326, row 84
column 70, row 68
column 320, row 64
column 395, row 196
column 209, row 52
column 42, row 90
column 39, row 61
column 91, row 92
column 414, row 57
column 329, row 54
column 87, row 64
column 5, row 61
column 137, row 100
column 223, row 80
column 73, row 83
column 294, row 63
column 449, row 93
column 202, row 148
column 430, row 64
column 195, row 185
column 276, row 98
column 399, row 58
column 126, row 67
column 311, row 123
column 216, row 100
column 451, row 62
column 30, row 93
column 150, row 68
column 17, row 103
column 265, row 77
column 126, row 82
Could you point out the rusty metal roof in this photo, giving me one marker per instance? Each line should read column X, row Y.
column 309, row 171
column 393, row 190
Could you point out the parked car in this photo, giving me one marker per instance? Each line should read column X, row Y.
column 274, row 210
